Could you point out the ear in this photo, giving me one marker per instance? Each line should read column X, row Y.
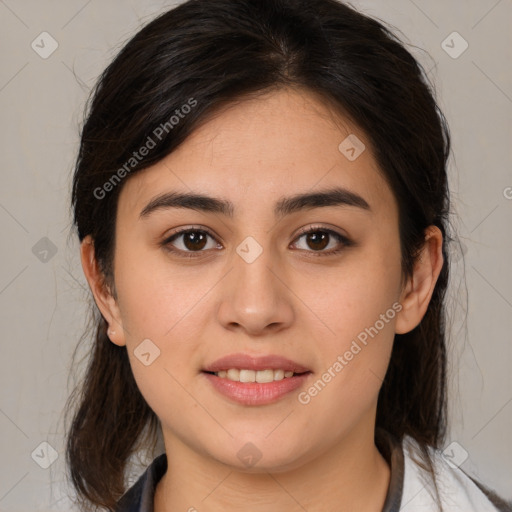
column 102, row 294
column 417, row 292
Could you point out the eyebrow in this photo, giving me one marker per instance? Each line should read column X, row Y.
column 285, row 206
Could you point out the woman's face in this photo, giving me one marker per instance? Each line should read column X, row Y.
column 247, row 281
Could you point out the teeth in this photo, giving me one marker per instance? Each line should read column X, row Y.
column 260, row 376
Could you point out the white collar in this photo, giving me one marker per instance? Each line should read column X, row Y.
column 456, row 491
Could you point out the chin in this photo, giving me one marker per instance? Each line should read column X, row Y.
column 253, row 456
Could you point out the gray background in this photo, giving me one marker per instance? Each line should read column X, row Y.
column 43, row 295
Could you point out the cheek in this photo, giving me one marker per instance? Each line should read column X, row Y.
column 345, row 392
column 162, row 314
column 356, row 295
column 168, row 394
column 156, row 298
column 360, row 313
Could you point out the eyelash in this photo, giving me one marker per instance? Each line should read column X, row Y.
column 305, row 231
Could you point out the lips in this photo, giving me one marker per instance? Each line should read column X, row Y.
column 260, row 363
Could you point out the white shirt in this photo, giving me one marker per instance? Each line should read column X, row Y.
column 457, row 491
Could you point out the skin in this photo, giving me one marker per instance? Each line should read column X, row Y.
column 320, row 456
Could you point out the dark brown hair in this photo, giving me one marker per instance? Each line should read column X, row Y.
column 218, row 52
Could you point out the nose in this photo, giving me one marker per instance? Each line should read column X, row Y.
column 255, row 297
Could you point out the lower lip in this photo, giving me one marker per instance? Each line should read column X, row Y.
column 255, row 393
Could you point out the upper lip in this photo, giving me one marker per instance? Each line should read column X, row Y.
column 247, row 362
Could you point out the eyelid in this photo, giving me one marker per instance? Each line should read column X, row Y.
column 343, row 239
column 318, row 227
column 192, row 227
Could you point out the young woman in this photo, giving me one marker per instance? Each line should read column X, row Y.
column 262, row 204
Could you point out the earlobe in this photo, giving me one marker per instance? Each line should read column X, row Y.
column 418, row 291
column 102, row 295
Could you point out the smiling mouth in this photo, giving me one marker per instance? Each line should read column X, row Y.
column 259, row 376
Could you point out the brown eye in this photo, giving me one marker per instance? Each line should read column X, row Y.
column 194, row 240
column 316, row 240
column 189, row 241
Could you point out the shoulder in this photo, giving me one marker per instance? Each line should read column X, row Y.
column 424, row 488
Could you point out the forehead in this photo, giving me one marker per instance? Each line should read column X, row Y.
column 258, row 150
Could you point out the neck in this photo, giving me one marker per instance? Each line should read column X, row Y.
column 353, row 475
